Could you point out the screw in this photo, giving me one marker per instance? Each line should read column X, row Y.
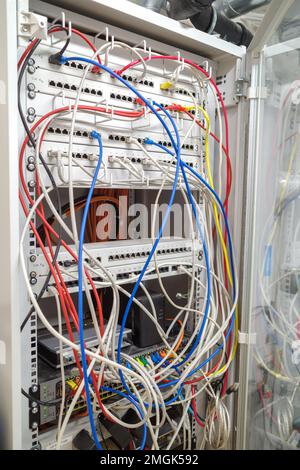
column 31, row 111
column 31, row 69
column 31, row 159
column 33, row 281
column 33, row 259
column 30, row 119
column 31, row 95
column 25, row 28
column 31, row 61
column 34, row 425
column 34, row 388
column 33, row 274
column 31, row 87
column 34, row 410
column 31, row 184
column 31, row 167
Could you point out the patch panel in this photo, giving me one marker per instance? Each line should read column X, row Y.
column 123, row 260
column 75, row 65
column 152, row 81
column 112, row 175
column 193, row 163
column 65, row 131
column 68, row 86
column 184, row 92
column 165, row 143
column 120, row 253
column 109, row 88
column 129, row 78
column 119, row 138
column 114, row 159
column 137, row 81
column 122, row 97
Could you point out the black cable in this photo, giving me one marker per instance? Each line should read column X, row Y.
column 55, row 58
column 41, row 402
column 102, row 436
column 58, row 246
column 31, row 139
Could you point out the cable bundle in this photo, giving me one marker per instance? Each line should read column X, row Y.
column 188, row 366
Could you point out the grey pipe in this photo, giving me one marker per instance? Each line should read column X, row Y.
column 154, row 5
column 236, row 8
column 205, row 17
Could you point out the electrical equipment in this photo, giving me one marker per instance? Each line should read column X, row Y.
column 120, row 436
column 123, row 260
column 101, row 126
column 122, row 149
column 49, row 349
column 107, row 114
column 145, row 333
column 83, row 441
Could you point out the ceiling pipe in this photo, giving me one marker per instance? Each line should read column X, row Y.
column 236, row 8
column 154, row 5
column 205, row 17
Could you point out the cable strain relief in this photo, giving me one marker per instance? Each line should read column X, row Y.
column 95, row 135
column 96, row 69
column 56, row 59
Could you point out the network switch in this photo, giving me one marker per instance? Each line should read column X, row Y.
column 123, row 260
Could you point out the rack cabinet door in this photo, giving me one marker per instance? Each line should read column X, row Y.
column 269, row 398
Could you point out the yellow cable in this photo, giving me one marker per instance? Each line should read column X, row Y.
column 216, row 217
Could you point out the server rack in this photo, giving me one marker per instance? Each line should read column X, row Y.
column 233, row 70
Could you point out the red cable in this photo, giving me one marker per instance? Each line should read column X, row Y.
column 65, row 291
column 189, row 62
column 99, row 306
column 55, row 30
column 129, row 114
column 228, row 161
column 62, row 292
column 194, row 407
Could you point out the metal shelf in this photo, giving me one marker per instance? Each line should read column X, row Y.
column 127, row 15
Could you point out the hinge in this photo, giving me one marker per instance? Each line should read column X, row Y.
column 246, row 338
column 241, row 86
column 256, row 93
column 2, row 353
column 31, row 25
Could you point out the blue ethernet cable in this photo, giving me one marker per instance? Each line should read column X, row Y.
column 198, row 176
column 148, row 141
column 177, row 149
column 206, row 257
column 149, row 105
column 231, row 325
column 94, row 135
